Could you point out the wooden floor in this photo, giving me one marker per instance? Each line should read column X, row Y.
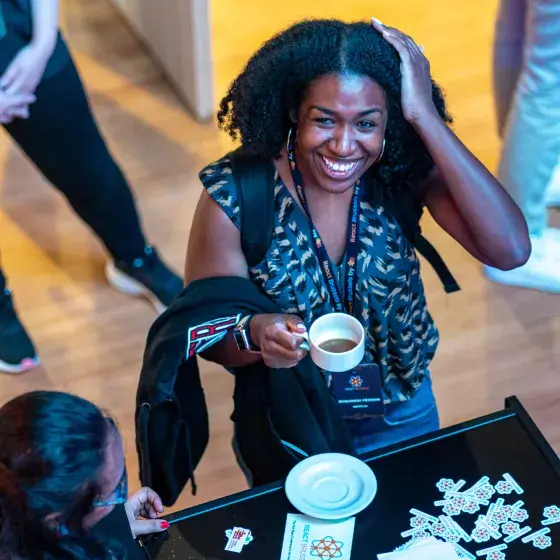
column 495, row 341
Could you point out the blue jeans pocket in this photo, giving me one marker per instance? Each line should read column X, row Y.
column 416, row 417
column 421, row 407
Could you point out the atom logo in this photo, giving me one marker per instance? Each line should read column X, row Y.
column 326, row 548
column 504, row 487
column 445, row 485
column 541, row 542
column 356, row 381
column 552, row 512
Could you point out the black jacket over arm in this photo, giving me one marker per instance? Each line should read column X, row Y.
column 271, row 406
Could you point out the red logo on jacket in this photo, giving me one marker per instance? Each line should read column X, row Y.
column 203, row 336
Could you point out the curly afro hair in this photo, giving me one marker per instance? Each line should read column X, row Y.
column 257, row 107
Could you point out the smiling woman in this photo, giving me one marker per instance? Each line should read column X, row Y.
column 301, row 68
column 337, row 139
column 358, row 134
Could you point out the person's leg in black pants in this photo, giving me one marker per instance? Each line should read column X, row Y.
column 62, row 139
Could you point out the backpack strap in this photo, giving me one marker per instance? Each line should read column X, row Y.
column 254, row 179
column 429, row 252
column 409, row 220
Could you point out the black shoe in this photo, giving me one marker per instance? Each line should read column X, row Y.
column 17, row 353
column 147, row 276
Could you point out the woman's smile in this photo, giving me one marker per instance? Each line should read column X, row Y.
column 340, row 169
column 340, row 130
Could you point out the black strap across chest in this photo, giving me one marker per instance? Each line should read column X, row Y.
column 254, row 179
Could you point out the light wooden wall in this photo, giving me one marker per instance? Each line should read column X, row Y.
column 177, row 33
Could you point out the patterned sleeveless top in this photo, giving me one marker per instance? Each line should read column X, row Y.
column 401, row 336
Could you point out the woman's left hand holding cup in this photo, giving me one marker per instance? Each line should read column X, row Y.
column 279, row 338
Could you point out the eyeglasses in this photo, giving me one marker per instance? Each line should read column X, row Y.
column 119, row 495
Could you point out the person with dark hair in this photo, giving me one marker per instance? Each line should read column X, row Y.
column 63, row 483
column 44, row 108
column 351, row 119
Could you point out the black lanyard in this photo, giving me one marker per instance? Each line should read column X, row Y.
column 322, row 255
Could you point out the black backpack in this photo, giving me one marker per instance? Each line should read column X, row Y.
column 254, row 179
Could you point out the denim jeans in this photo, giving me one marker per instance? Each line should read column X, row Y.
column 527, row 93
column 402, row 421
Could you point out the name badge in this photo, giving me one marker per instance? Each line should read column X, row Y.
column 358, row 392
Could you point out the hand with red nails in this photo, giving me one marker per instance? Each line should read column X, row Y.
column 142, row 510
column 416, row 89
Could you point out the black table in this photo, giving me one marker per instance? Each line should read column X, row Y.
column 504, row 442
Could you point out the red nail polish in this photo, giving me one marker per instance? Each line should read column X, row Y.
column 165, row 524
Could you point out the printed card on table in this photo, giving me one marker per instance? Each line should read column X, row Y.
column 306, row 538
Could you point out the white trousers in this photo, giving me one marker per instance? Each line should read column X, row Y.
column 527, row 94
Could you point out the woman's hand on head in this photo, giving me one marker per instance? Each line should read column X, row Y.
column 142, row 510
column 278, row 340
column 416, row 90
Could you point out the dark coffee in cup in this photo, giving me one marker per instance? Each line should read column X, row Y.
column 336, row 342
column 338, row 345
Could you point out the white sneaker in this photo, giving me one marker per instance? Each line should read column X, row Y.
column 553, row 189
column 540, row 272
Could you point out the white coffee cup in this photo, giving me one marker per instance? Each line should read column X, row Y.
column 335, row 326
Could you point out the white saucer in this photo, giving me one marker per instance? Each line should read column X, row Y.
column 331, row 486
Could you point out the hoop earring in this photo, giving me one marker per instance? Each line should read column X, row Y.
column 289, row 140
column 382, row 152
